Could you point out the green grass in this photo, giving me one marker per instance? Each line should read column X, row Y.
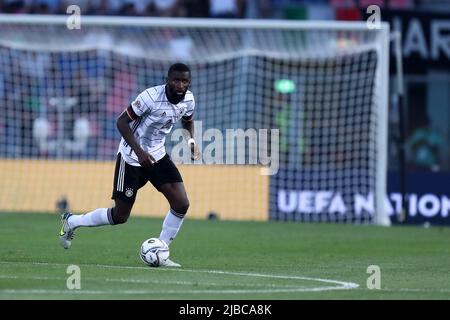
column 224, row 260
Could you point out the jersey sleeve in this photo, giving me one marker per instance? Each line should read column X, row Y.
column 142, row 104
column 189, row 114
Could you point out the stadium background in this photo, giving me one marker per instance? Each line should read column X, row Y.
column 427, row 100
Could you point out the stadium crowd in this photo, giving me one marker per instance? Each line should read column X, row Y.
column 295, row 9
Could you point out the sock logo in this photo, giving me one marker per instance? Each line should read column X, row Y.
column 129, row 192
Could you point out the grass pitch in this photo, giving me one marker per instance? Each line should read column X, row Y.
column 224, row 260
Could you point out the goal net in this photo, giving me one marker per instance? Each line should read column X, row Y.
column 290, row 116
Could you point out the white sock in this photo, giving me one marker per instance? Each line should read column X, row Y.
column 171, row 225
column 98, row 217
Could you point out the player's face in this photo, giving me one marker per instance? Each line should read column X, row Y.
column 178, row 83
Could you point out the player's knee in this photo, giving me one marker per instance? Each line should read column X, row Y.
column 120, row 219
column 120, row 216
column 182, row 206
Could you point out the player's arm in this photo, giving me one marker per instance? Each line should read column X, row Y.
column 188, row 125
column 123, row 126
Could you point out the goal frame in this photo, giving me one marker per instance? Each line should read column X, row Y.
column 382, row 73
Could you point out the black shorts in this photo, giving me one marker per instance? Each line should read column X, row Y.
column 129, row 179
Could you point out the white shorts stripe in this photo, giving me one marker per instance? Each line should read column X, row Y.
column 121, row 176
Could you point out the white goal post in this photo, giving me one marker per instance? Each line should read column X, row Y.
column 322, row 84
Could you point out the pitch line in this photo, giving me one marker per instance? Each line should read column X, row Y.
column 337, row 285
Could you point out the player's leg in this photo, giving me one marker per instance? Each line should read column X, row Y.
column 70, row 222
column 175, row 194
column 99, row 217
column 103, row 216
column 166, row 178
column 126, row 183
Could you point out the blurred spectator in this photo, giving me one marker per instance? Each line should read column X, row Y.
column 195, row 8
column 83, row 4
column 127, row 9
column 46, row 6
column 283, row 118
column 123, row 86
column 343, row 3
column 309, row 10
column 401, row 4
column 164, row 8
column 264, row 9
column 157, row 8
column 423, row 147
column 105, row 7
column 227, row 8
column 367, row 3
column 16, row 6
column 2, row 86
column 346, row 10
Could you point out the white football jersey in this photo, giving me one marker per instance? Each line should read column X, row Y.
column 156, row 117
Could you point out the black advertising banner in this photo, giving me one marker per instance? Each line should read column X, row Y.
column 428, row 198
column 425, row 38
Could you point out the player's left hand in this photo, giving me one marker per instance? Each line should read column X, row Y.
column 195, row 152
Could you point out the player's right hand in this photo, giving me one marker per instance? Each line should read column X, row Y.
column 145, row 159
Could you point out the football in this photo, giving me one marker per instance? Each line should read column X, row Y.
column 154, row 251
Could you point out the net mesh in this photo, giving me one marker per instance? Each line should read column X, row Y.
column 61, row 91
